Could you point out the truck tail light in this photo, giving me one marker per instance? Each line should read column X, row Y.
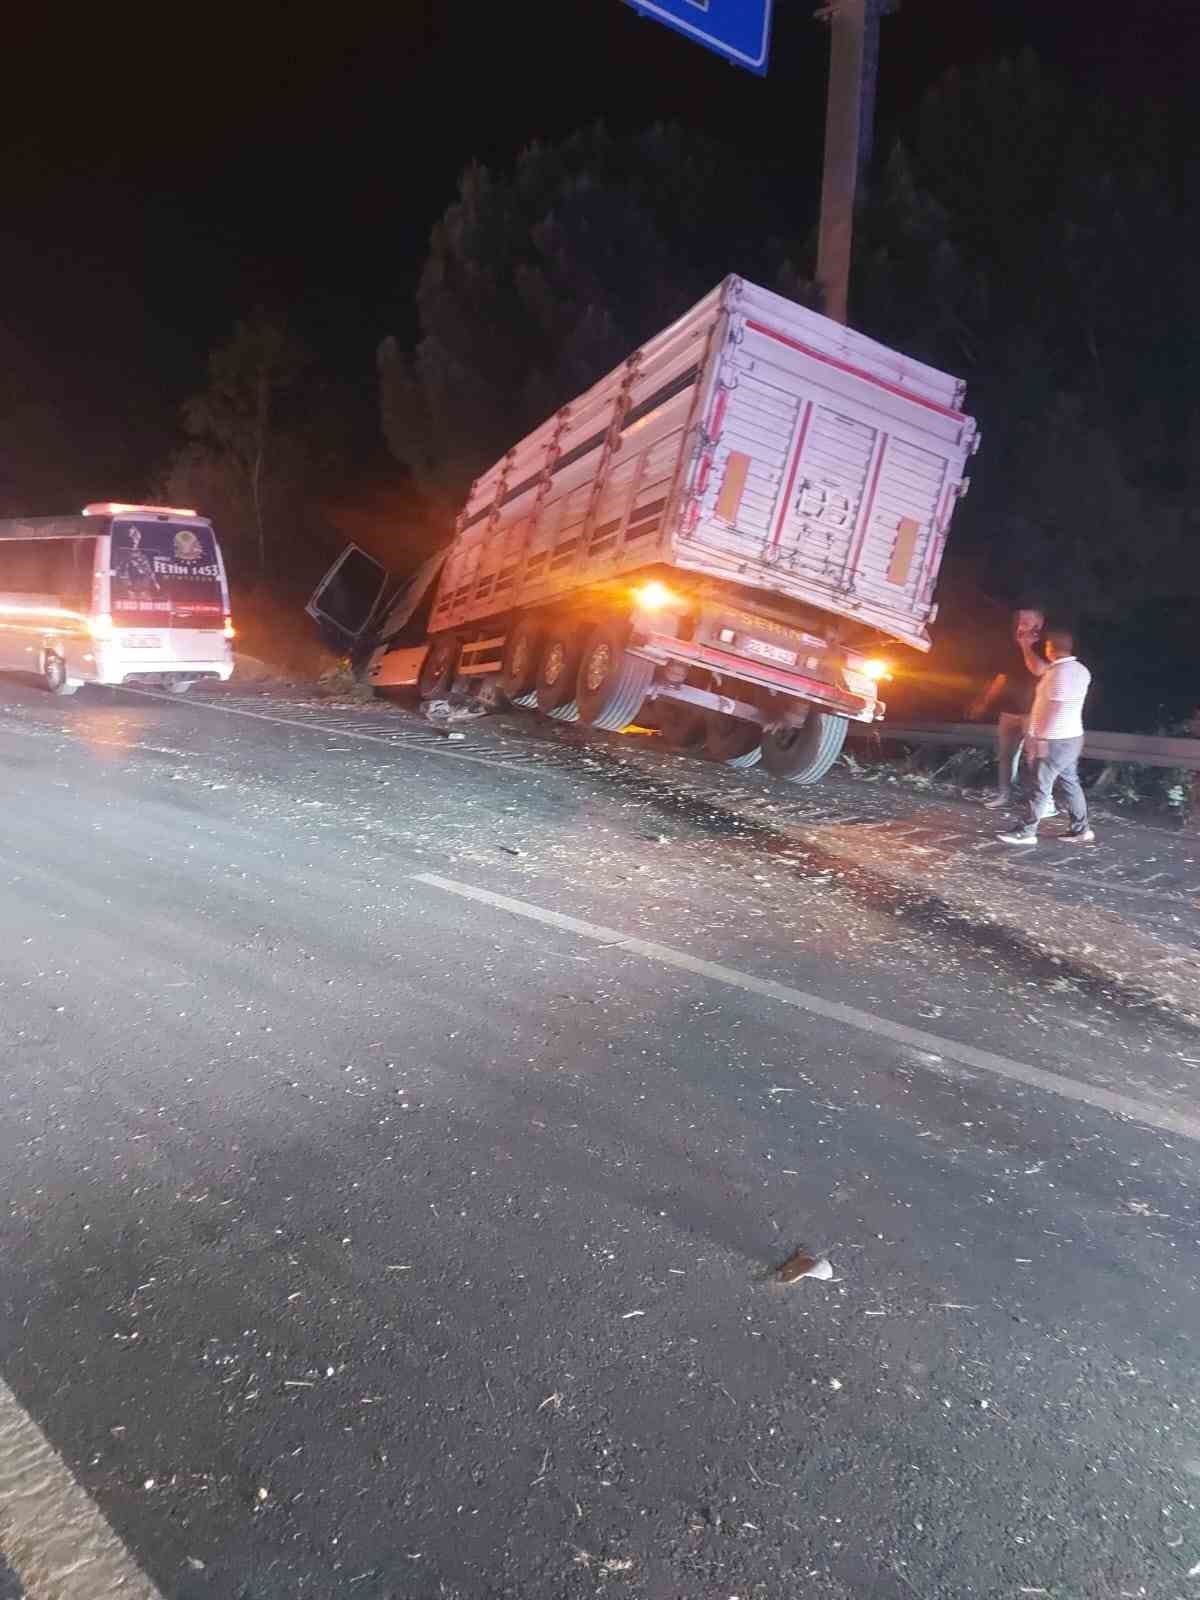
column 876, row 669
column 230, row 630
column 100, row 625
column 654, row 596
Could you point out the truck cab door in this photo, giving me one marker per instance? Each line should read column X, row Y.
column 348, row 596
column 400, row 636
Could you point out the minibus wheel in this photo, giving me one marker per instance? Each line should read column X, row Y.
column 54, row 674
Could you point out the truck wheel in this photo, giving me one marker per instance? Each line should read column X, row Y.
column 54, row 675
column 804, row 754
column 611, row 683
column 731, row 741
column 439, row 667
column 519, row 668
column 557, row 672
column 681, row 725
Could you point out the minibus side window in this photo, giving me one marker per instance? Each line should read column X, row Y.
column 70, row 569
column 23, row 566
column 54, row 568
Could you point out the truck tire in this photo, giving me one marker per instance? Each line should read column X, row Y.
column 731, row 741
column 611, row 683
column 557, row 672
column 440, row 667
column 681, row 725
column 804, row 754
column 519, row 668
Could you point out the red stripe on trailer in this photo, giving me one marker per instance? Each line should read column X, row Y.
column 856, row 372
column 715, row 426
column 777, row 534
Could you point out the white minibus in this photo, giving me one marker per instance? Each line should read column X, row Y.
column 118, row 594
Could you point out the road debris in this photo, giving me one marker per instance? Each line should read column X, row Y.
column 442, row 712
column 802, row 1265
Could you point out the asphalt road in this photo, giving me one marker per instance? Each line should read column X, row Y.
column 398, row 1136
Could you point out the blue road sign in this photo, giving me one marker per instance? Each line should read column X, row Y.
column 739, row 30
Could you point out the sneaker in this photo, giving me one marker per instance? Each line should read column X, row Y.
column 1017, row 836
column 1086, row 836
column 996, row 802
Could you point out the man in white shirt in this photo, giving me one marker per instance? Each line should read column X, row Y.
column 1054, row 741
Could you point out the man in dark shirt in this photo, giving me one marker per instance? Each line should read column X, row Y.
column 1010, row 693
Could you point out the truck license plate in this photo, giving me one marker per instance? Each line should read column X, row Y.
column 768, row 652
column 141, row 641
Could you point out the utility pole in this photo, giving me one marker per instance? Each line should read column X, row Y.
column 849, row 126
column 740, row 30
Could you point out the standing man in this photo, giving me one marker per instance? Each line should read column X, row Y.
column 1054, row 740
column 1011, row 694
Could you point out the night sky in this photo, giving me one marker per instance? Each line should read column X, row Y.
column 164, row 171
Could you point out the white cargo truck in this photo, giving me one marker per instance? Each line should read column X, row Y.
column 720, row 538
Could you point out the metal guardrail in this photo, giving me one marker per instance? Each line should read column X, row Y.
column 1140, row 749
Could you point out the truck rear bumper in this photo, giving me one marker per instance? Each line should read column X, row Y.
column 661, row 648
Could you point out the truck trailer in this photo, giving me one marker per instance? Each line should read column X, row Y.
column 721, row 538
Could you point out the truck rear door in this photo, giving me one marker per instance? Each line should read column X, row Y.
column 828, row 483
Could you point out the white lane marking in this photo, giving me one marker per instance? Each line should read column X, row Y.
column 390, row 741
column 553, row 755
column 1091, row 1094
column 51, row 1534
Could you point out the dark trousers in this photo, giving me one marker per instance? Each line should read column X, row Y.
column 1047, row 762
column 1010, row 735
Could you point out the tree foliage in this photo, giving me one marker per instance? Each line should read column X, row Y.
column 269, row 443
column 1031, row 238
column 539, row 281
column 240, row 452
column 1037, row 243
